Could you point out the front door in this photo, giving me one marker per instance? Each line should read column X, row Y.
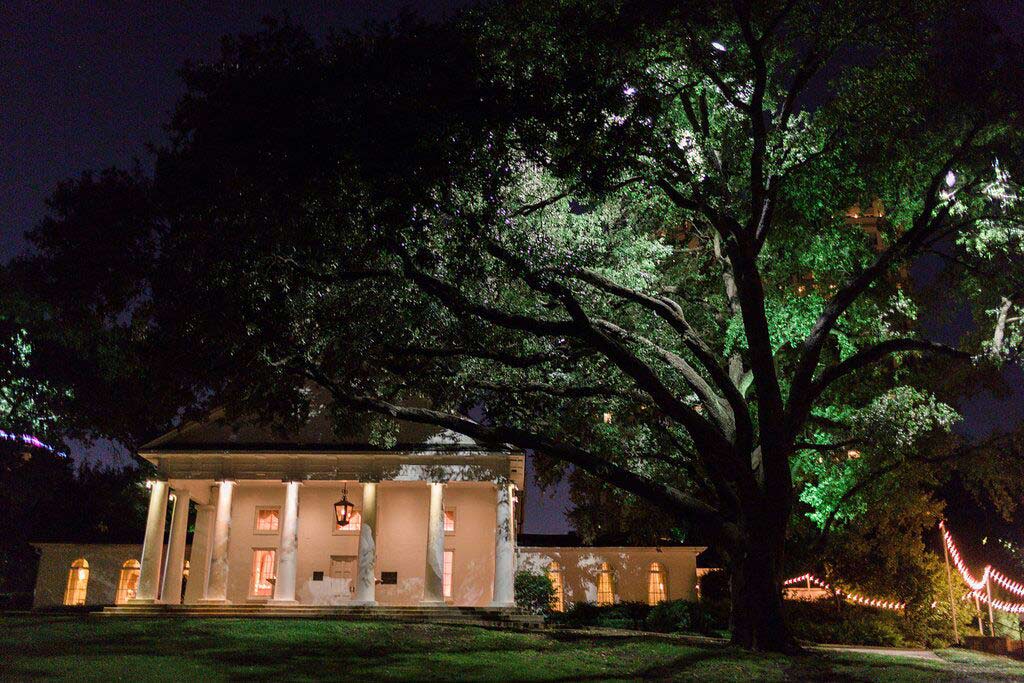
column 342, row 576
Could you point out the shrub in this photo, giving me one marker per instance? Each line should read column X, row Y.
column 678, row 615
column 825, row 621
column 534, row 592
column 626, row 615
column 666, row 617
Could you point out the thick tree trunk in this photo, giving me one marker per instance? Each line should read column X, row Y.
column 757, row 619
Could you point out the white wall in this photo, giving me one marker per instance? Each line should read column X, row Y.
column 630, row 569
column 105, row 561
column 402, row 509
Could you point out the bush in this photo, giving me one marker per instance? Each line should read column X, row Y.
column 825, row 621
column 678, row 615
column 666, row 617
column 534, row 592
column 627, row 615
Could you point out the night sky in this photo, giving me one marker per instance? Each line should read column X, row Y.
column 85, row 85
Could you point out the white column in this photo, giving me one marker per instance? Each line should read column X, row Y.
column 433, row 583
column 199, row 562
column 217, row 584
column 171, row 593
column 287, row 562
column 153, row 545
column 504, row 550
column 366, row 581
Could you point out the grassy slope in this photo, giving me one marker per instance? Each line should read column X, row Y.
column 91, row 649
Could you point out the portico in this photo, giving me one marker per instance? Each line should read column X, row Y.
column 432, row 523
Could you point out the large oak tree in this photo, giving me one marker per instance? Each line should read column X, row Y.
column 628, row 230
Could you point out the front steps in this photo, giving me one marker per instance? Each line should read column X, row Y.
column 489, row 617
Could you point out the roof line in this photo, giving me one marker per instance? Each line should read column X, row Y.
column 188, row 426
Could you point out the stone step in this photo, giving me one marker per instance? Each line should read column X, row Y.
column 302, row 610
column 498, row 617
column 308, row 608
column 326, row 614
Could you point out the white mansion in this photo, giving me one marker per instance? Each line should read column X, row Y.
column 314, row 519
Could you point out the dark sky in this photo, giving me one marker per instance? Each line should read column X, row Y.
column 85, row 85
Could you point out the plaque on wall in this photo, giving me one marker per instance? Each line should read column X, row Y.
column 318, row 576
column 389, row 578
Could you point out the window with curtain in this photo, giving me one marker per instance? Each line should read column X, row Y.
column 449, row 557
column 268, row 520
column 449, row 521
column 263, row 574
column 128, row 583
column 558, row 596
column 657, row 583
column 78, row 582
column 605, row 585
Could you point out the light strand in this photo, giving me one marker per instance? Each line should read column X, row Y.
column 851, row 597
column 976, row 585
column 1001, row 605
column 958, row 561
column 1006, row 583
column 30, row 440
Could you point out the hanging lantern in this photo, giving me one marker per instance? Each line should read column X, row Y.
column 343, row 509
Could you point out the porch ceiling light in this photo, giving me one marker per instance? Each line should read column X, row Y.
column 343, row 509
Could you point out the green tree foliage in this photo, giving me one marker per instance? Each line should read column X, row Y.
column 25, row 397
column 561, row 210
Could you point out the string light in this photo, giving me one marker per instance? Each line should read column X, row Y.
column 958, row 561
column 1001, row 605
column 31, row 441
column 978, row 585
column 1008, row 584
column 851, row 597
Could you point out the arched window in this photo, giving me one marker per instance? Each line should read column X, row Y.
column 128, row 584
column 657, row 584
column 558, row 597
column 605, row 586
column 78, row 581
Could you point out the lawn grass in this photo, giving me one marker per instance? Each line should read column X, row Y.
column 87, row 648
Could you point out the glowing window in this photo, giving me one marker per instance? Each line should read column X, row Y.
column 657, row 583
column 449, row 521
column 558, row 597
column 128, row 583
column 262, row 585
column 355, row 523
column 605, row 586
column 449, row 557
column 268, row 520
column 78, row 581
